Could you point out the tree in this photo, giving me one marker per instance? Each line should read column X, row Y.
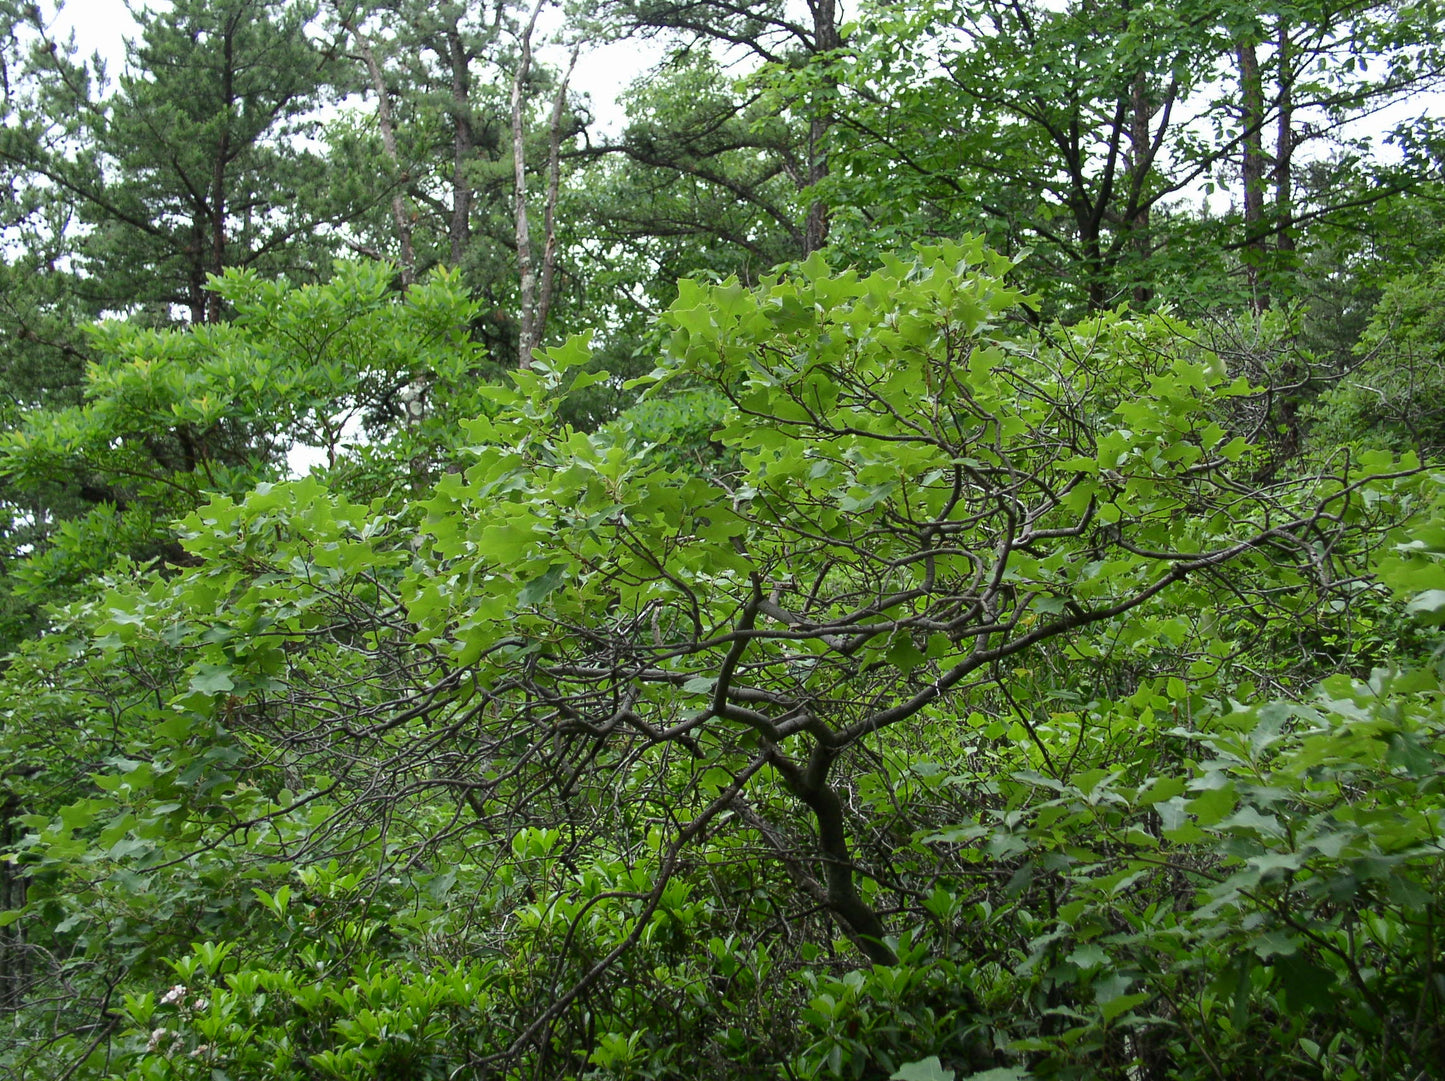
column 874, row 555
column 1392, row 396
column 1079, row 131
column 194, row 163
column 535, row 292
column 45, row 356
column 453, row 112
column 386, row 125
column 770, row 33
column 590, row 683
column 170, row 418
column 700, row 182
column 893, row 681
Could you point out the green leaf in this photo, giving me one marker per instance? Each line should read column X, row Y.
column 1248, row 820
column 1306, row 985
column 929, row 1069
column 1115, row 1007
column 1430, row 602
column 1088, row 956
column 212, row 679
column 539, row 588
column 1212, row 805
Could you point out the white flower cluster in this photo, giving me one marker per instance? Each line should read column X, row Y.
column 165, row 1040
column 169, row 1041
column 180, row 997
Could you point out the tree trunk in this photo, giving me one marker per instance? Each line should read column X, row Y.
column 1141, row 113
column 463, row 143
column 528, row 334
column 1284, row 148
column 384, row 117
column 1291, row 373
column 549, row 215
column 1252, row 120
column 14, row 962
column 196, row 266
column 825, row 40
column 217, row 208
column 810, row 784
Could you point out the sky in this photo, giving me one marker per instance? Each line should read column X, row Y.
column 99, row 26
column 602, row 72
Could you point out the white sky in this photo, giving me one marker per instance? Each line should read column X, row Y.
column 99, row 26
column 602, row 73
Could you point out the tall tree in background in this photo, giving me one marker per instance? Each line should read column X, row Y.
column 703, row 169
column 1049, row 129
column 1307, row 72
column 446, row 81
column 42, row 362
column 775, row 35
column 195, row 161
column 434, row 73
column 401, row 212
column 1080, row 131
column 535, row 285
column 126, row 199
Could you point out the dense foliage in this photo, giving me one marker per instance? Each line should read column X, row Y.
column 852, row 652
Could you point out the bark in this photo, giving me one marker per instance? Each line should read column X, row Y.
column 1284, row 147
column 825, row 40
column 217, row 260
column 1253, row 171
column 1292, row 374
column 196, row 268
column 463, row 142
column 549, row 216
column 1142, row 112
column 1090, row 210
column 810, row 785
column 385, row 119
column 528, row 335
column 14, row 958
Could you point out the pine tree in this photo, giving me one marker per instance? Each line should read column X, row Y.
column 196, row 160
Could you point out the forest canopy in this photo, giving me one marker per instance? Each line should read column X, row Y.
column 920, row 557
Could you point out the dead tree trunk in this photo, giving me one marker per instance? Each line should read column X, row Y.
column 535, row 290
column 554, row 183
column 384, row 117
